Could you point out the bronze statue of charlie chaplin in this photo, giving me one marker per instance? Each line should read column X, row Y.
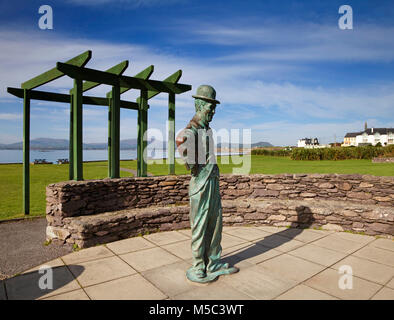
column 195, row 145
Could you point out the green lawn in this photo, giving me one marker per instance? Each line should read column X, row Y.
column 42, row 175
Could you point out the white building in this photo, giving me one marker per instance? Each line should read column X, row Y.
column 373, row 136
column 310, row 143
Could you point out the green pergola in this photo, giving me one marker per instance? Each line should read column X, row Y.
column 84, row 80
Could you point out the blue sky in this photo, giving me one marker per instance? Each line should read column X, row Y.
column 282, row 69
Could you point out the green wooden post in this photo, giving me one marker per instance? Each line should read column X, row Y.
column 77, row 130
column 142, row 128
column 26, row 152
column 114, row 137
column 171, row 134
column 109, row 135
column 71, row 143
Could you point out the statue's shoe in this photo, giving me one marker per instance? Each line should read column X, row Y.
column 222, row 269
column 199, row 276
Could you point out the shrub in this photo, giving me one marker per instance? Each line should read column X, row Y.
column 342, row 153
column 271, row 152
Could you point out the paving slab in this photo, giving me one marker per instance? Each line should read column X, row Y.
column 180, row 249
column 377, row 255
column 149, row 259
column 303, row 292
column 53, row 264
column 72, row 295
column 304, row 235
column 319, row 255
column 26, row 286
column 286, row 266
column 339, row 244
column 384, row 294
column 279, row 243
column 129, row 245
column 328, row 282
column 101, row 270
column 229, row 228
column 171, row 278
column 387, row 244
column 236, row 261
column 214, row 291
column 257, row 284
column 251, row 252
column 360, row 238
column 271, row 229
column 88, row 254
column 248, row 233
column 390, row 284
column 229, row 241
column 163, row 238
column 133, row 287
column 367, row 270
column 186, row 232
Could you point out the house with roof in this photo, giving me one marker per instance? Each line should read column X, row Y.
column 310, row 143
column 350, row 139
column 373, row 136
column 370, row 136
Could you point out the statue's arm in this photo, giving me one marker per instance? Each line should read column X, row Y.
column 186, row 147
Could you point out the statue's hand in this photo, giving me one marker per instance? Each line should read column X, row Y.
column 194, row 170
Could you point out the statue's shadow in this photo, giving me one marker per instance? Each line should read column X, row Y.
column 304, row 219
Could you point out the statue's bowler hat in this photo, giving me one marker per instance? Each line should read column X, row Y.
column 206, row 93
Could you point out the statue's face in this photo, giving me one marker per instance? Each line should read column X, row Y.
column 207, row 111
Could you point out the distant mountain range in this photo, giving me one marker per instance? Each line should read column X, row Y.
column 128, row 144
column 63, row 144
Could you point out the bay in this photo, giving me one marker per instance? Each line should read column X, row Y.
column 16, row 156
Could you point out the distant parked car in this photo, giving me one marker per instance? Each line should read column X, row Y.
column 62, row 161
column 41, row 161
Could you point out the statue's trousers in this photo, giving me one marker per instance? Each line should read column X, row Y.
column 206, row 224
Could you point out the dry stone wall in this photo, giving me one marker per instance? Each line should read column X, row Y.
column 98, row 211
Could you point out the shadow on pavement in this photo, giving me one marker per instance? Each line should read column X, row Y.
column 304, row 219
column 37, row 284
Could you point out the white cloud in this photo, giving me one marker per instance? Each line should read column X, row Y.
column 248, row 88
column 299, row 42
column 10, row 116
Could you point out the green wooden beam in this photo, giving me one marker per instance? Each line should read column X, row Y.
column 121, row 81
column 77, row 130
column 171, row 134
column 53, row 74
column 144, row 74
column 174, row 78
column 118, row 69
column 26, row 152
column 66, row 98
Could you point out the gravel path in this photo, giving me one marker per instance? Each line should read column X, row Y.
column 22, row 246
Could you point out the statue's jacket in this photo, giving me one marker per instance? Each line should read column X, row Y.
column 196, row 148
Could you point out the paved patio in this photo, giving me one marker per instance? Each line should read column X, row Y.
column 275, row 263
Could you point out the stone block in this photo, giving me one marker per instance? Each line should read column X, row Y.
column 359, row 195
column 57, row 233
